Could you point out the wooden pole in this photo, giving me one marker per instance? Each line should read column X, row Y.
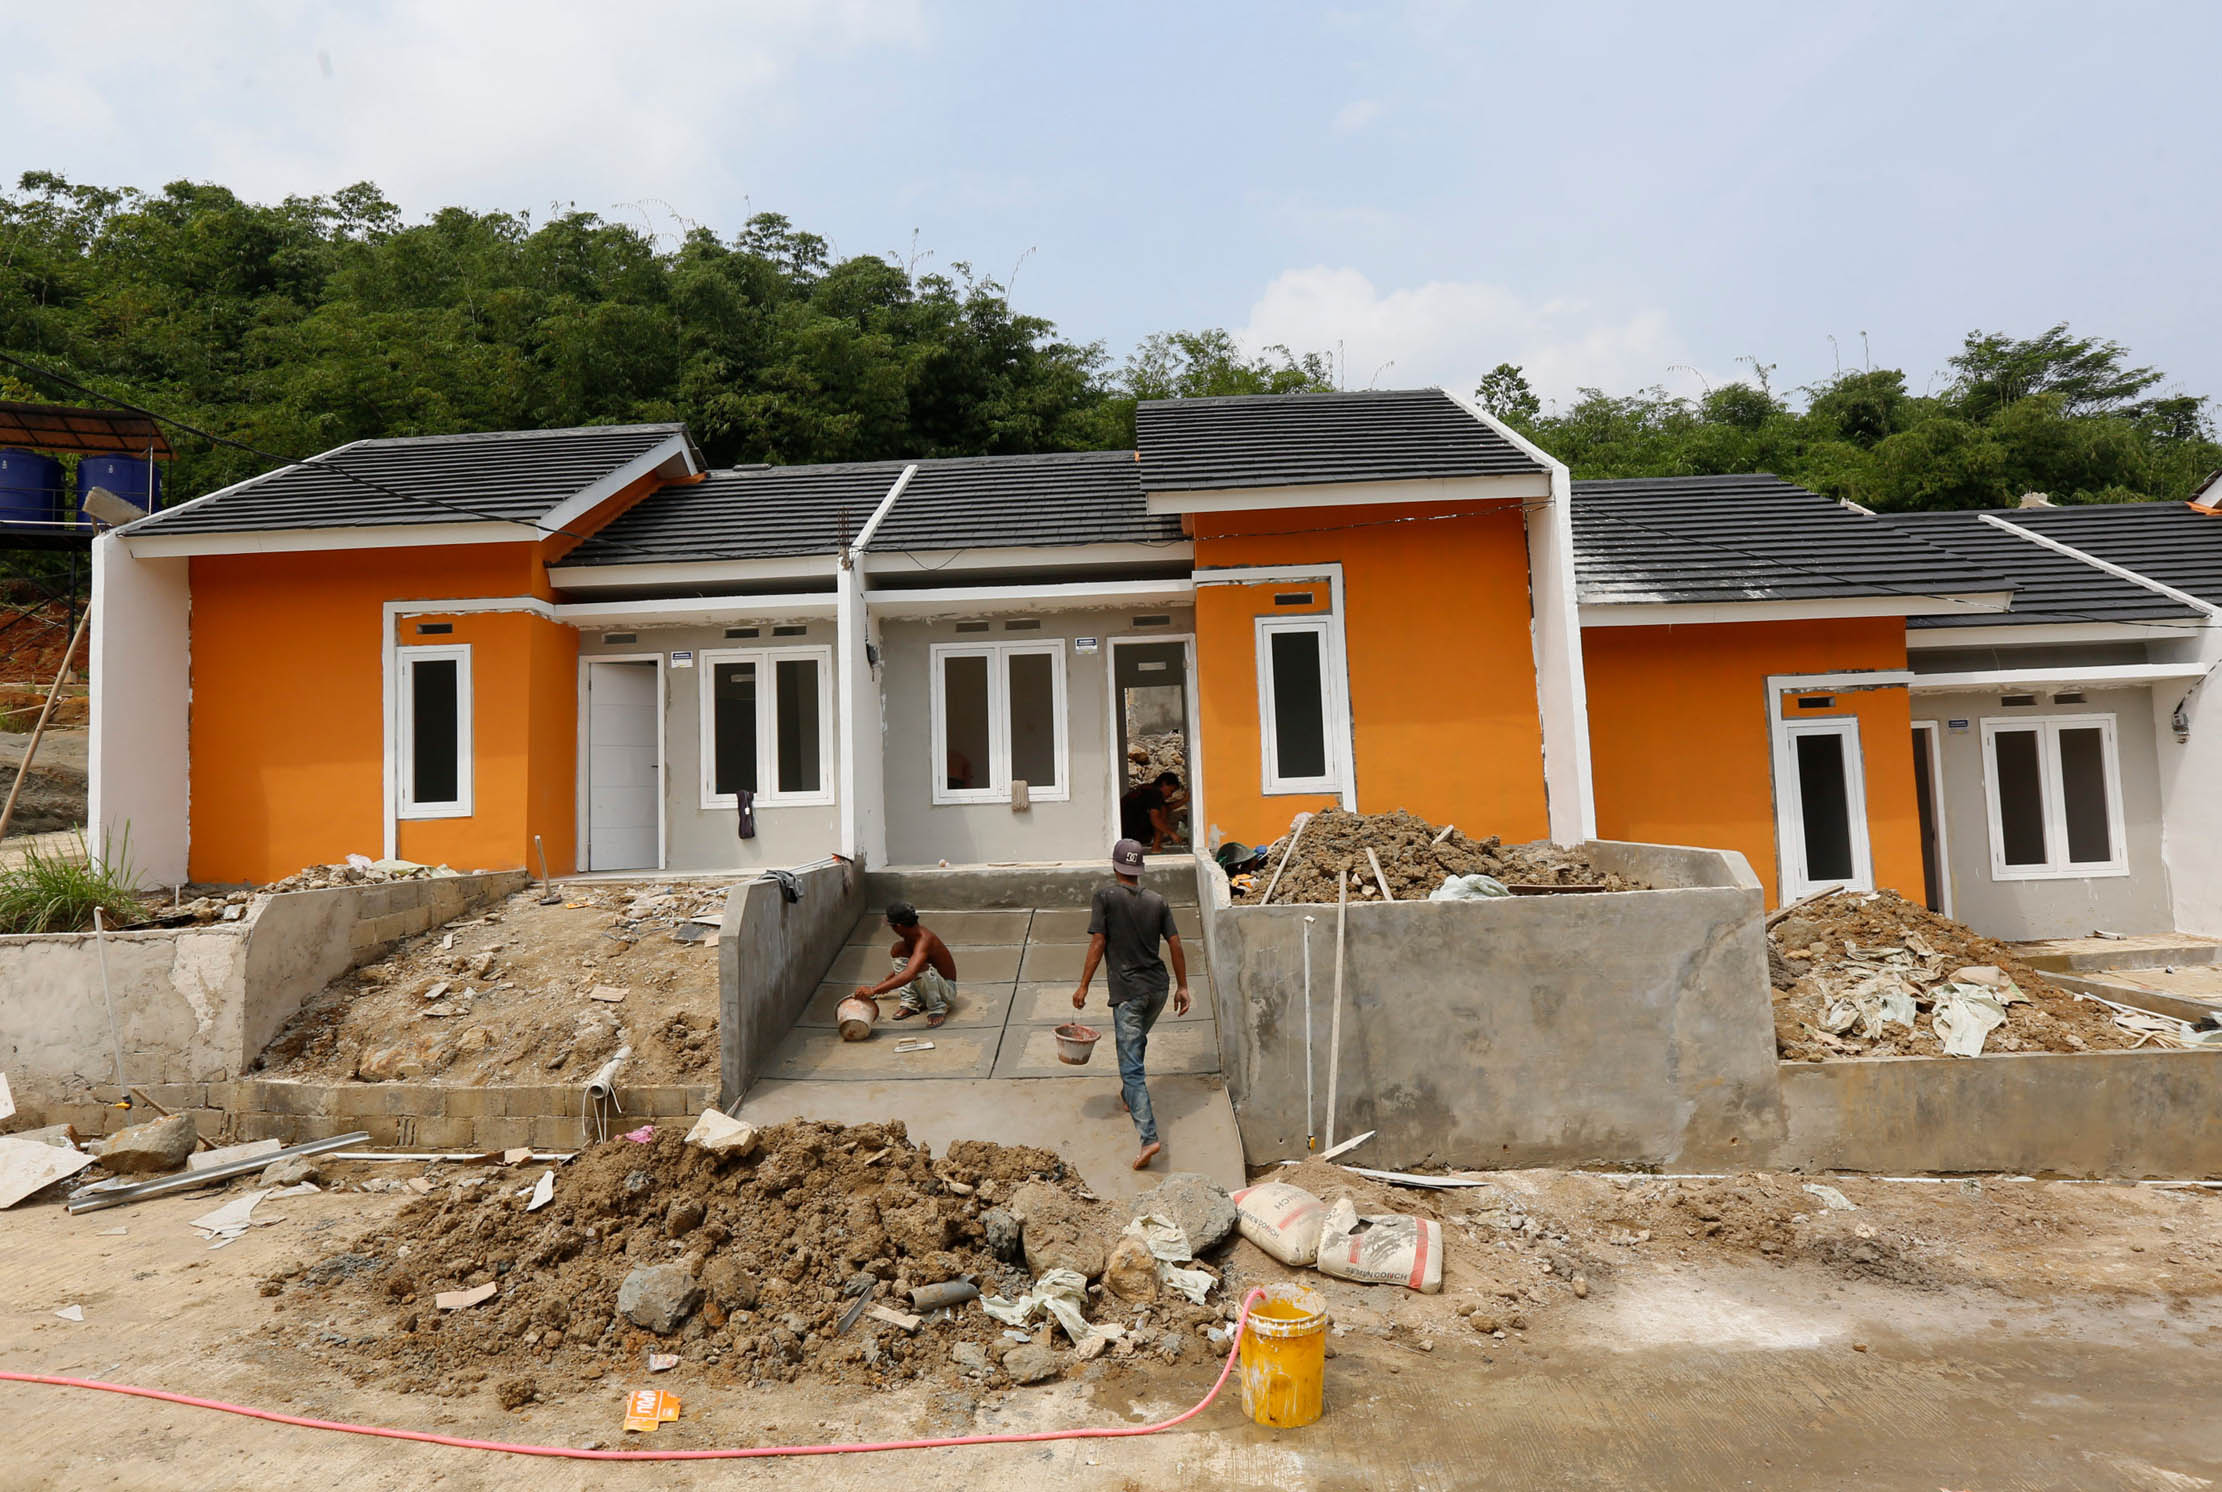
column 1378, row 878
column 1287, row 855
column 1334, row 1029
column 46, row 712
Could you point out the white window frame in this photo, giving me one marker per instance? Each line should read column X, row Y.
column 998, row 655
column 1929, row 738
column 767, row 726
column 1321, row 624
column 2047, row 729
column 405, row 732
column 1790, row 816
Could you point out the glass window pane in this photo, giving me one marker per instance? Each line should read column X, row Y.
column 799, row 764
column 434, row 754
column 733, row 727
column 2021, row 797
column 2083, row 794
column 964, row 721
column 1033, row 721
column 1299, row 705
column 1825, row 803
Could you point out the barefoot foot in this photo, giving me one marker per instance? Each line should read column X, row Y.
column 1149, row 1153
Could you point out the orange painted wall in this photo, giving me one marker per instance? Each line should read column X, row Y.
column 1442, row 671
column 1680, row 748
column 287, row 731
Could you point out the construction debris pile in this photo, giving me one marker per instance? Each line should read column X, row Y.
column 1160, row 751
column 528, row 993
column 1415, row 856
column 1870, row 974
column 809, row 1248
column 356, row 870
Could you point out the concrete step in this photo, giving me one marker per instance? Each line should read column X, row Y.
column 2142, row 951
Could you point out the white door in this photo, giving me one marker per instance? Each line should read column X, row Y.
column 624, row 751
column 1822, row 797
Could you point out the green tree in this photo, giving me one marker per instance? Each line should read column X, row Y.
column 1504, row 392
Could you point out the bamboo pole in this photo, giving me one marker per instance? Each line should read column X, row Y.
column 46, row 712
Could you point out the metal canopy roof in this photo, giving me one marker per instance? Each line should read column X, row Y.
column 67, row 430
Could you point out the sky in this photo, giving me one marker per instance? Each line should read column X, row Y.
column 1617, row 196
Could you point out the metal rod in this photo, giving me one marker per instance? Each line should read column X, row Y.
column 1334, row 1034
column 107, row 998
column 95, row 1198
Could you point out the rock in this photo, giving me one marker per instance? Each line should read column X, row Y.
column 1005, row 1239
column 659, row 1297
column 144, row 1148
column 1131, row 1273
column 390, row 1063
column 1032, row 1363
column 1059, row 1231
column 731, row 1286
column 921, row 1228
column 1170, row 1343
column 291, row 1171
column 1199, row 1204
column 683, row 1217
column 971, row 1357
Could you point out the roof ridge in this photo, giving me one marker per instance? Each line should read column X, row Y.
column 1315, row 396
column 668, row 427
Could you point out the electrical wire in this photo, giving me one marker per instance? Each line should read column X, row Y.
column 729, row 1453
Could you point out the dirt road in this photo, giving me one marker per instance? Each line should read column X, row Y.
column 1708, row 1371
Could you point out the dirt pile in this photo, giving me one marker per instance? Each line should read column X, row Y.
column 528, row 993
column 1148, row 755
column 1416, row 857
column 1829, row 957
column 745, row 1267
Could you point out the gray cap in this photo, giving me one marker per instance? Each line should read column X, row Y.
column 1126, row 857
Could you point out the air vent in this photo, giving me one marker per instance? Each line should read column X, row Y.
column 790, row 631
column 1027, row 624
column 2075, row 698
column 1818, row 702
column 2017, row 699
column 614, row 639
column 1153, row 621
column 434, row 629
column 972, row 626
column 744, row 632
column 1293, row 598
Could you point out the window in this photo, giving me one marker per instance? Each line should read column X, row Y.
column 765, row 725
column 1295, row 697
column 1821, row 809
column 999, row 718
column 2055, row 791
column 433, row 720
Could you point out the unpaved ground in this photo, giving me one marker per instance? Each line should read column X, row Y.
column 504, row 996
column 2061, row 1356
column 1334, row 844
column 1826, row 949
column 54, row 791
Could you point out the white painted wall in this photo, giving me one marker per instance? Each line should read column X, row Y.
column 860, row 724
column 142, row 694
column 1562, row 694
column 2191, row 785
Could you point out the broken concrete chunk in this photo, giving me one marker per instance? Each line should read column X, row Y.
column 721, row 1134
column 1033, row 1363
column 146, row 1148
column 659, row 1297
column 608, row 993
column 1059, row 1232
column 1131, row 1273
column 1200, row 1205
column 900, row 1320
column 461, row 1300
column 292, row 1171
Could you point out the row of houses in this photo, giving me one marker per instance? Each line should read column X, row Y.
column 588, row 646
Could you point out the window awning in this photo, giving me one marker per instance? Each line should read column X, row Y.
column 62, row 429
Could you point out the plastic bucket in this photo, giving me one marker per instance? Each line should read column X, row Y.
column 1076, row 1043
column 1284, row 1357
column 856, row 1016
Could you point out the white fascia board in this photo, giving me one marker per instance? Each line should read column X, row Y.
column 462, row 606
column 2092, row 676
column 2119, row 572
column 1027, row 557
column 689, row 612
column 692, row 573
column 2047, row 634
column 241, row 485
column 879, row 514
column 304, row 540
column 1446, row 490
column 677, row 451
column 974, row 600
column 1701, row 613
column 1845, row 682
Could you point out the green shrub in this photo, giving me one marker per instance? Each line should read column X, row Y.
column 48, row 892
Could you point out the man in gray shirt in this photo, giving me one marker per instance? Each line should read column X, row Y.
column 1127, row 923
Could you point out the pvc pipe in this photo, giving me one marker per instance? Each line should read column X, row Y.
column 108, row 999
column 1334, row 1036
column 1311, row 1130
column 95, row 1198
column 602, row 1087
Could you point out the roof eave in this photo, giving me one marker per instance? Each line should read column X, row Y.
column 1662, row 613
column 1496, row 487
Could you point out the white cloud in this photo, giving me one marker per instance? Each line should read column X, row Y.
column 1451, row 332
column 1356, row 115
column 488, row 102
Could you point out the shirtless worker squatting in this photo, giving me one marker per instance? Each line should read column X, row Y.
column 925, row 971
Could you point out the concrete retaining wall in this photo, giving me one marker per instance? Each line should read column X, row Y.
column 195, row 1004
column 1619, row 1027
column 990, row 887
column 2128, row 1114
column 771, row 955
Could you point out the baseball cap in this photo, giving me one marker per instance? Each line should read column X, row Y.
column 1126, row 856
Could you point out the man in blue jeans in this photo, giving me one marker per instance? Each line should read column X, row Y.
column 1127, row 923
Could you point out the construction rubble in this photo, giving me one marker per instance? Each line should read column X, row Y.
column 1416, row 858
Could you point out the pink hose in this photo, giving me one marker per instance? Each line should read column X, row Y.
column 565, row 1452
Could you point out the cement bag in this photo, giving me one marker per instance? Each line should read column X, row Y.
column 1384, row 1250
column 1469, row 888
column 1281, row 1219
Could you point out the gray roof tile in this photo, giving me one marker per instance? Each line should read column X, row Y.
column 514, row 476
column 1275, row 440
column 2173, row 543
column 2049, row 587
column 1748, row 538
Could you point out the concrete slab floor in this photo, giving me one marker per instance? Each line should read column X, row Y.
column 984, row 1005
column 815, row 1052
column 864, row 962
column 959, row 930
column 1031, row 1051
column 1050, row 1004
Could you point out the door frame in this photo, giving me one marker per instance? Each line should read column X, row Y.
column 1115, row 724
column 1790, row 807
column 1933, row 747
column 586, row 756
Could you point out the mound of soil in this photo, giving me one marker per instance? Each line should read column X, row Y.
column 1829, row 946
column 1335, row 843
column 771, row 1252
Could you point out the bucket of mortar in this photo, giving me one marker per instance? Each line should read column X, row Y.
column 1076, row 1043
column 856, row 1016
column 1284, row 1358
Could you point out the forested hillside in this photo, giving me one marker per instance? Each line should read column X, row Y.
column 299, row 325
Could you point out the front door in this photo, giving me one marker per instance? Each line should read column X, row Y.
column 1936, row 873
column 1152, row 729
column 624, row 762
column 1822, row 808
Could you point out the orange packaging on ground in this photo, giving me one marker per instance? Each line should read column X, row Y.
column 646, row 1408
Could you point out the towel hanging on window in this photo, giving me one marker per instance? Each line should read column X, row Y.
column 748, row 813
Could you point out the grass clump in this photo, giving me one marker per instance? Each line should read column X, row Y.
column 48, row 892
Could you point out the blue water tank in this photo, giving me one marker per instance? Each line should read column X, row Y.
column 135, row 481
column 31, row 489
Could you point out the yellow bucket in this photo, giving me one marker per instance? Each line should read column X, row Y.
column 1284, row 1357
